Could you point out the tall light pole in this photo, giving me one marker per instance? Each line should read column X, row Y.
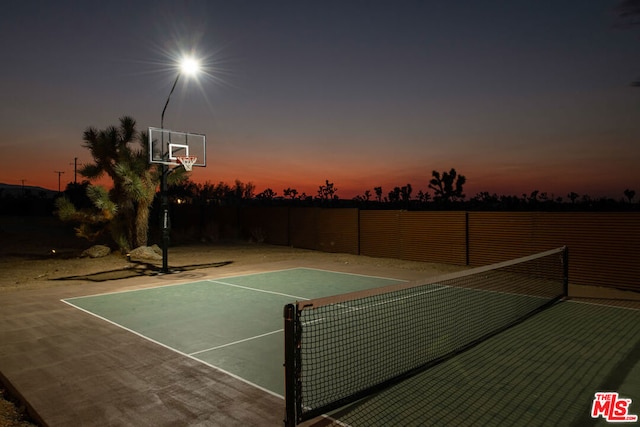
column 188, row 66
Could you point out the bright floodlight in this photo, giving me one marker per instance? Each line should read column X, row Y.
column 189, row 66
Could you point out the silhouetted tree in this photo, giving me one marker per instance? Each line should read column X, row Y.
column 267, row 194
column 532, row 198
column 378, row 191
column 486, row 198
column 206, row 194
column 327, row 191
column 405, row 192
column 448, row 186
column 364, row 198
column 183, row 192
column 122, row 153
column 629, row 194
column 573, row 196
column 291, row 193
column 77, row 194
column 424, row 197
column 394, row 195
column 243, row 191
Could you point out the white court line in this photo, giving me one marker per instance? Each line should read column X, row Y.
column 390, row 279
column 236, row 342
column 69, row 302
column 257, row 290
column 125, row 291
column 160, row 285
column 217, row 368
column 599, row 304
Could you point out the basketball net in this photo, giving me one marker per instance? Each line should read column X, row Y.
column 187, row 161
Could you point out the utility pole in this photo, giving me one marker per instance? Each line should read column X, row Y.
column 59, row 173
column 75, row 170
column 23, row 181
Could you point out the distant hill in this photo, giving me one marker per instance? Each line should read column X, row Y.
column 27, row 190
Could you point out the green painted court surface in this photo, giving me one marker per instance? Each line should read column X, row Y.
column 233, row 324
column 544, row 371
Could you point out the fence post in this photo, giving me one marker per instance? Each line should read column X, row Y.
column 565, row 265
column 466, row 237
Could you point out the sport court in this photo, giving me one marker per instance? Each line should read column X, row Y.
column 233, row 324
column 543, row 371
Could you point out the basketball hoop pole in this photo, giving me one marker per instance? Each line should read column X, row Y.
column 188, row 66
column 166, row 230
column 164, row 199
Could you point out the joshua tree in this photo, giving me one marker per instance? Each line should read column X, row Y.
column 290, row 192
column 378, row 191
column 394, row 195
column 122, row 154
column 405, row 192
column 267, row 194
column 448, row 186
column 327, row 191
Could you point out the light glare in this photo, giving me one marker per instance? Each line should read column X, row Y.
column 189, row 66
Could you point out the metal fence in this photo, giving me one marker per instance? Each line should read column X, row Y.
column 604, row 247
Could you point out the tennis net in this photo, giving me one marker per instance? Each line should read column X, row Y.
column 342, row 348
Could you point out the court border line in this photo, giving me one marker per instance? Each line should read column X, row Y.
column 68, row 302
column 232, row 285
column 191, row 356
column 164, row 285
column 217, row 368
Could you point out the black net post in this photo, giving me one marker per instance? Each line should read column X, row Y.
column 565, row 272
column 290, row 363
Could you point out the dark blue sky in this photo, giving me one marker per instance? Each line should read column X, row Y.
column 516, row 95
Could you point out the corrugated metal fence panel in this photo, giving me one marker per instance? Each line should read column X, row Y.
column 604, row 247
column 303, row 227
column 267, row 224
column 433, row 237
column 499, row 236
column 380, row 234
column 338, row 230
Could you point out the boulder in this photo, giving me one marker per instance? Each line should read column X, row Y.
column 145, row 253
column 97, row 251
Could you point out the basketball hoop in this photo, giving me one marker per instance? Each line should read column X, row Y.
column 187, row 161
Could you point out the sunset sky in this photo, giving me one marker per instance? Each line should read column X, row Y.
column 515, row 95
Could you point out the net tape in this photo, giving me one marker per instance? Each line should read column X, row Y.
column 351, row 345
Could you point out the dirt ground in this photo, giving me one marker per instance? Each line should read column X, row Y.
column 41, row 253
column 38, row 253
